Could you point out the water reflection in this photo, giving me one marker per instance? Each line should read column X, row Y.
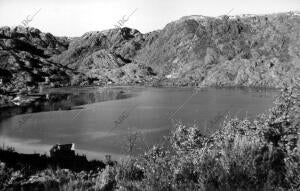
column 64, row 99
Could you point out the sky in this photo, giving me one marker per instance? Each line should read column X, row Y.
column 75, row 17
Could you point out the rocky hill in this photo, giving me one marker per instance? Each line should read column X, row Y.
column 245, row 50
column 24, row 63
column 107, row 57
column 249, row 50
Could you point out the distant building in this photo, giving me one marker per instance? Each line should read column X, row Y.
column 63, row 151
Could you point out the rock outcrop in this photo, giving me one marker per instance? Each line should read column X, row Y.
column 24, row 63
column 246, row 50
column 107, row 57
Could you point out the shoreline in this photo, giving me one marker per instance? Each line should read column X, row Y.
column 29, row 95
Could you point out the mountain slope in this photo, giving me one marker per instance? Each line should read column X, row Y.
column 246, row 50
column 107, row 56
column 24, row 63
column 260, row 51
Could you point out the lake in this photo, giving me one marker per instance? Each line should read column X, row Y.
column 101, row 120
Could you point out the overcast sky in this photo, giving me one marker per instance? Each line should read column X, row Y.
column 75, row 17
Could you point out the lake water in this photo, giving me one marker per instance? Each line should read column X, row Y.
column 100, row 120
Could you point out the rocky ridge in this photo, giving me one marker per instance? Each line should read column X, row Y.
column 245, row 50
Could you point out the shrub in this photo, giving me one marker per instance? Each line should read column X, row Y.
column 5, row 175
column 243, row 155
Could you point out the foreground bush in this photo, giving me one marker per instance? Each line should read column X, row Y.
column 262, row 154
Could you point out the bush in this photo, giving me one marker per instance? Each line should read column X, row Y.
column 5, row 175
column 243, row 155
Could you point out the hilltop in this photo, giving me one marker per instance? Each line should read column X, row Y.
column 245, row 50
